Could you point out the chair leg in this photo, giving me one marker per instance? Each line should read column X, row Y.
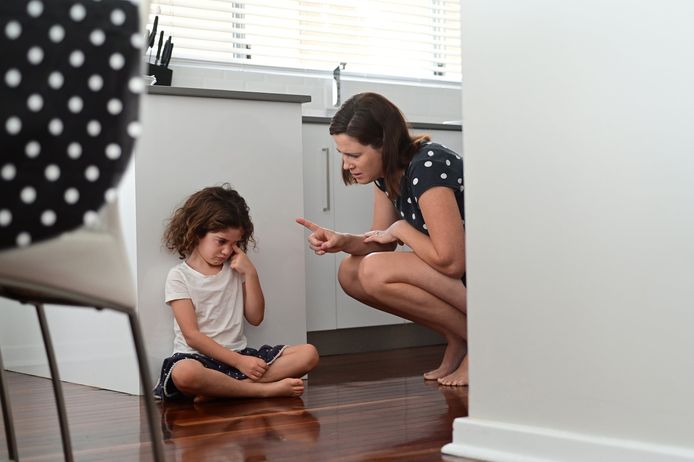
column 7, row 415
column 152, row 414
column 55, row 378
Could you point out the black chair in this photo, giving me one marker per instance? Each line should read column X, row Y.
column 70, row 83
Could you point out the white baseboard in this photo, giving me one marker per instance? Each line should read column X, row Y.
column 502, row 442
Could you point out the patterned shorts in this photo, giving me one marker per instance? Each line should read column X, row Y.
column 166, row 389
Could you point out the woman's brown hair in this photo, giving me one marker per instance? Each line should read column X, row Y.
column 211, row 209
column 374, row 121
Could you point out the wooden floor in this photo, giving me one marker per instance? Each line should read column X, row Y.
column 360, row 407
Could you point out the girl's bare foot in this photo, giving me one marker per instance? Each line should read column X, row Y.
column 452, row 357
column 459, row 377
column 284, row 387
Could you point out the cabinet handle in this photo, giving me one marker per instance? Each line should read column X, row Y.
column 326, row 208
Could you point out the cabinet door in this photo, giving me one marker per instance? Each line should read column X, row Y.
column 319, row 159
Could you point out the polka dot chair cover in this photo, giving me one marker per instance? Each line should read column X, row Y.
column 69, row 94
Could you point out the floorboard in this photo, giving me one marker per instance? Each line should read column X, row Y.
column 359, row 407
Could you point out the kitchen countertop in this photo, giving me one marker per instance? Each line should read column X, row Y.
column 275, row 97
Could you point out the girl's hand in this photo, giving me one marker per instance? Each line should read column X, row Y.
column 322, row 240
column 253, row 367
column 384, row 236
column 240, row 262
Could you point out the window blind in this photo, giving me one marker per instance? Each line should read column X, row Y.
column 398, row 38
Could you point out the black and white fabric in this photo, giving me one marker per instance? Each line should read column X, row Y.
column 70, row 82
column 432, row 165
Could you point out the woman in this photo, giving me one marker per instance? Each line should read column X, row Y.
column 418, row 201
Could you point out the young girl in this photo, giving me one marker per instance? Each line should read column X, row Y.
column 211, row 292
column 418, row 201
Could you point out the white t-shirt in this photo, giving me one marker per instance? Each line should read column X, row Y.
column 218, row 302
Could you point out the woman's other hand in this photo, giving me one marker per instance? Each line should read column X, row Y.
column 386, row 236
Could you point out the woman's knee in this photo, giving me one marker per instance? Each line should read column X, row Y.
column 372, row 274
column 348, row 275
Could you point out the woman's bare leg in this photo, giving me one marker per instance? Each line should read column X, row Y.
column 295, row 361
column 402, row 284
column 194, row 379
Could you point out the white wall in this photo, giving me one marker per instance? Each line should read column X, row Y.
column 579, row 155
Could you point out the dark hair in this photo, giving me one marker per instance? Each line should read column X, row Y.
column 211, row 209
column 374, row 121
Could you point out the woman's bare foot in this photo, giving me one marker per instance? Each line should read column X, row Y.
column 284, row 387
column 459, row 377
column 452, row 357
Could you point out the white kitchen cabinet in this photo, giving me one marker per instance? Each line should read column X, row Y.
column 328, row 202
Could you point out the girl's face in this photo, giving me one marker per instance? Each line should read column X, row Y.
column 364, row 162
column 217, row 246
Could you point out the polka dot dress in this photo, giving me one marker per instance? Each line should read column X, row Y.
column 69, row 94
column 432, row 165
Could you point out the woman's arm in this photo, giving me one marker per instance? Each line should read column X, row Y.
column 444, row 248
column 184, row 312
column 323, row 240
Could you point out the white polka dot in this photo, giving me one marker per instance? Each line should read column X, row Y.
column 97, row 37
column 444, row 176
column 48, row 218
column 111, row 195
column 32, row 149
column 113, row 151
column 448, row 162
column 461, row 188
column 91, row 218
column 55, row 80
column 13, row 125
column 35, row 55
column 72, row 195
column 13, row 30
column 137, row 40
column 55, row 126
column 409, row 200
column 457, row 157
column 28, row 195
column 35, row 8
column 134, row 129
column 23, row 239
column 114, row 106
column 8, row 172
column 117, row 17
column 92, row 173
column 56, row 33
column 74, row 150
column 5, row 217
column 13, row 78
column 75, row 104
column 136, row 84
column 430, row 153
column 116, row 61
column 78, row 12
column 428, row 163
column 93, row 128
column 424, row 226
column 76, row 58
column 387, row 194
column 402, row 214
column 35, row 102
column 413, row 216
column 52, row 172
column 415, row 181
column 95, row 82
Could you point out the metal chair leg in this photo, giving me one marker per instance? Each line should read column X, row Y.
column 55, row 378
column 7, row 415
column 152, row 414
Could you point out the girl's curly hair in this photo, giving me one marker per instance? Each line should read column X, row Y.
column 209, row 210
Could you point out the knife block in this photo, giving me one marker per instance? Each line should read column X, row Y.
column 163, row 74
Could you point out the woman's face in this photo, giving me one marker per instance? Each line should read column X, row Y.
column 364, row 162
